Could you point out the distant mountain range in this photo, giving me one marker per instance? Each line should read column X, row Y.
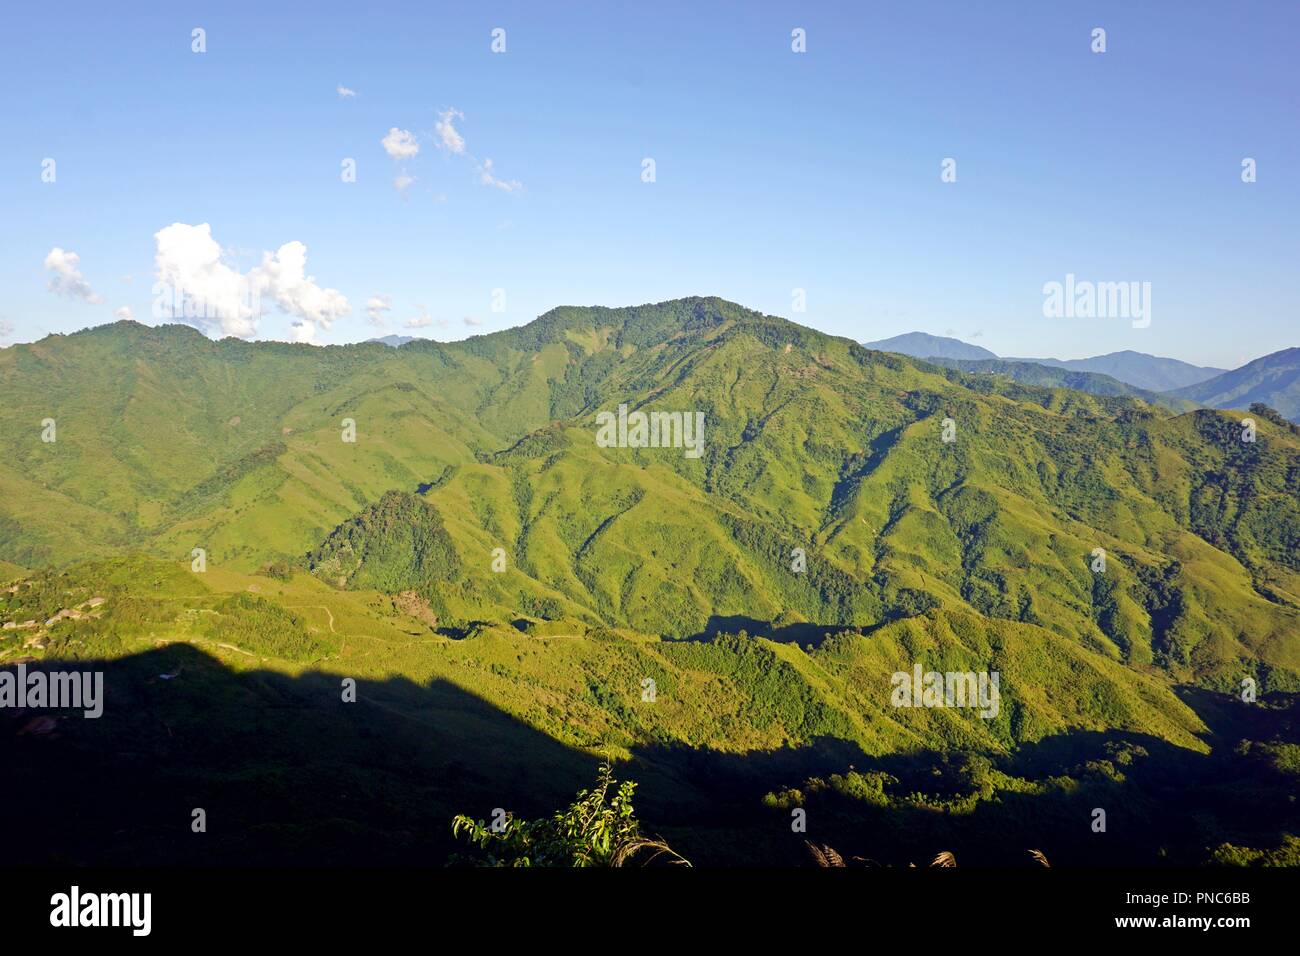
column 1273, row 380
column 1138, row 369
column 396, row 341
column 1054, row 376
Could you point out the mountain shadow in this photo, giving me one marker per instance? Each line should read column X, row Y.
column 287, row 773
column 1160, row 804
column 808, row 635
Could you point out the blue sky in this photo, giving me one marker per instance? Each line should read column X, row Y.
column 774, row 170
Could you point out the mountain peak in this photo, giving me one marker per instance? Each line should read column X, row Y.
column 924, row 345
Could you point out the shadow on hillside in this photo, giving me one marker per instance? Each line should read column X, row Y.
column 807, row 635
column 1228, row 719
column 286, row 771
column 1163, row 804
column 290, row 774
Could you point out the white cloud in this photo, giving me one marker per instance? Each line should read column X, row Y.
column 124, row 313
column 303, row 331
column 7, row 329
column 448, row 137
column 345, row 93
column 471, row 321
column 284, row 275
column 67, row 279
column 196, row 286
column 403, row 181
column 487, row 179
column 421, row 321
column 376, row 306
column 400, row 144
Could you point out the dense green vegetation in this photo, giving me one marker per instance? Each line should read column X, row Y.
column 499, row 584
column 398, row 544
column 264, row 627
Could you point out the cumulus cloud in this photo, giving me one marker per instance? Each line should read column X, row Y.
column 448, row 137
column 345, row 93
column 486, row 177
column 283, row 274
column 195, row 285
column 400, row 144
column 67, row 279
column 124, row 313
column 376, row 306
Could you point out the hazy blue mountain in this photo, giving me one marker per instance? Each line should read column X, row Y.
column 1138, row 369
column 1273, row 380
column 394, row 340
column 923, row 345
column 1053, row 376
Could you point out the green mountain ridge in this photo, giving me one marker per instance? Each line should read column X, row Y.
column 168, row 441
column 444, row 512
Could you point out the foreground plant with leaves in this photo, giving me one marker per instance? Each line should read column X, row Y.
column 595, row 830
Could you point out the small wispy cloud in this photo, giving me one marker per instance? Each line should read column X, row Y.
column 448, row 136
column 400, row 144
column 471, row 321
column 376, row 306
column 124, row 313
column 487, row 178
column 345, row 93
column 67, row 279
column 421, row 321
